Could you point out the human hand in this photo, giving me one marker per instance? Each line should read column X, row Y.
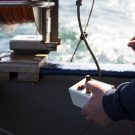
column 132, row 43
column 93, row 110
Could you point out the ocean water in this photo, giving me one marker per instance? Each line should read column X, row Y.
column 111, row 27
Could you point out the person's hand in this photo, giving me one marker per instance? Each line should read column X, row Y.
column 93, row 110
column 132, row 43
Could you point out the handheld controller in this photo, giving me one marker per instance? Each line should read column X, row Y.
column 80, row 95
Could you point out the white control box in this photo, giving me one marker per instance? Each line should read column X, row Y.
column 79, row 96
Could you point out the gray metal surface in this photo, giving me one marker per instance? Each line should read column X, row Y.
column 27, row 67
column 31, row 43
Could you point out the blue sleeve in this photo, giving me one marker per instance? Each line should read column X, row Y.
column 119, row 103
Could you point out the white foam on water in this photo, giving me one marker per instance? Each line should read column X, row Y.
column 111, row 27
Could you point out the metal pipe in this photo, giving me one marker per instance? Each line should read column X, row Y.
column 43, row 21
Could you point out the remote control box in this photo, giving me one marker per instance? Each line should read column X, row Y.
column 80, row 96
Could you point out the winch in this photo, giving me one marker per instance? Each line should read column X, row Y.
column 29, row 52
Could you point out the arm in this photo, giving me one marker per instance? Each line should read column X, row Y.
column 122, row 102
column 107, row 106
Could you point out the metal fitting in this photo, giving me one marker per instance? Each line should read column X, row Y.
column 79, row 2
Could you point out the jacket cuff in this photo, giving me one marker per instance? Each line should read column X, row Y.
column 112, row 105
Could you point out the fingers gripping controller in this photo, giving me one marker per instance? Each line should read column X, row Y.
column 80, row 95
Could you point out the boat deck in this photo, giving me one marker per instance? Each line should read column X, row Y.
column 45, row 108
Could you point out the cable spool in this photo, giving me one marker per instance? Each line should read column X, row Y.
column 14, row 12
column 14, row 15
column 10, row 16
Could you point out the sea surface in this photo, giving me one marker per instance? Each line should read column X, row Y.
column 111, row 26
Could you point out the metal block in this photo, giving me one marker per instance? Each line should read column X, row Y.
column 26, row 66
column 31, row 43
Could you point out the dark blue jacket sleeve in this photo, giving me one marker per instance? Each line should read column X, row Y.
column 119, row 103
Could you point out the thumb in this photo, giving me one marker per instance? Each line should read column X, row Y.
column 133, row 38
column 131, row 43
column 93, row 87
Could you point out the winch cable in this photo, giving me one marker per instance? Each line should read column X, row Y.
column 76, row 49
column 93, row 2
column 79, row 3
column 85, row 33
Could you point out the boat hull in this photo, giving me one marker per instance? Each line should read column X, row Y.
column 45, row 108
